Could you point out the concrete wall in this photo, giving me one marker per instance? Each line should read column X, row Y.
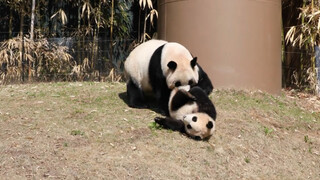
column 237, row 42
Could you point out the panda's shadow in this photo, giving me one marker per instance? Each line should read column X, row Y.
column 150, row 104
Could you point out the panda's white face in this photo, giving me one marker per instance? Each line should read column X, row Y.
column 178, row 66
column 182, row 75
column 199, row 125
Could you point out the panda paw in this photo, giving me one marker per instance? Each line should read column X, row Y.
column 159, row 120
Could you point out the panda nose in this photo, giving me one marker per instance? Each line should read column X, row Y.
column 184, row 117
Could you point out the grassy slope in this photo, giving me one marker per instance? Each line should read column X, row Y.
column 79, row 130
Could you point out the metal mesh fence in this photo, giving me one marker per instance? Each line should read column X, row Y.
column 69, row 58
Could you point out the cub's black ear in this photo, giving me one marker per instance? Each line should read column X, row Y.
column 193, row 62
column 172, row 65
column 210, row 125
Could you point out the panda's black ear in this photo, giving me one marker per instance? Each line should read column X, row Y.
column 172, row 65
column 193, row 62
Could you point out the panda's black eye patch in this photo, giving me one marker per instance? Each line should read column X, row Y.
column 190, row 82
column 172, row 65
column 177, row 84
column 194, row 118
column 189, row 126
column 210, row 125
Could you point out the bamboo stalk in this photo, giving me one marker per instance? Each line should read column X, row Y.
column 313, row 57
column 32, row 19
column 10, row 23
column 21, row 66
column 111, row 31
column 144, row 25
column 31, row 37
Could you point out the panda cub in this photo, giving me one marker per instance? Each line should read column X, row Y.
column 191, row 112
column 156, row 67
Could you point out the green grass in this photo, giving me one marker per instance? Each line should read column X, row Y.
column 247, row 159
column 77, row 132
column 154, row 126
column 267, row 131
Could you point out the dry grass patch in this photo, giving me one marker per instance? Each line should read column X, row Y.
column 85, row 130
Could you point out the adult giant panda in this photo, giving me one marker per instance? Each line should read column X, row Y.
column 191, row 112
column 156, row 67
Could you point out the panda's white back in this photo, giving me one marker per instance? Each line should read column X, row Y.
column 137, row 63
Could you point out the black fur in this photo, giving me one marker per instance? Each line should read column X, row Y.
column 205, row 105
column 183, row 97
column 172, row 65
column 204, row 81
column 170, row 123
column 210, row 125
column 193, row 62
column 180, row 99
column 135, row 95
column 198, row 138
column 158, row 83
column 158, row 80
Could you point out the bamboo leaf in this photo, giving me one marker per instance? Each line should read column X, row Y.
column 290, row 34
column 149, row 2
column 153, row 13
column 83, row 8
column 64, row 18
column 54, row 15
column 140, row 3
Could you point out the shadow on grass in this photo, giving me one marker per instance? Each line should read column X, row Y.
column 150, row 104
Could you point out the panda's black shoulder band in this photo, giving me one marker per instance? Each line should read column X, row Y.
column 180, row 99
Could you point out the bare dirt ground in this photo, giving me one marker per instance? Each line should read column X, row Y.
column 86, row 131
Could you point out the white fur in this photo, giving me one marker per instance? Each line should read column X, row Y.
column 186, row 88
column 199, row 128
column 185, row 114
column 186, row 109
column 178, row 53
column 137, row 63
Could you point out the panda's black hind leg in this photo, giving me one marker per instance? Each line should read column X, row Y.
column 135, row 96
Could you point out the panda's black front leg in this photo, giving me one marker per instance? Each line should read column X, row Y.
column 162, row 96
column 170, row 123
column 135, row 95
